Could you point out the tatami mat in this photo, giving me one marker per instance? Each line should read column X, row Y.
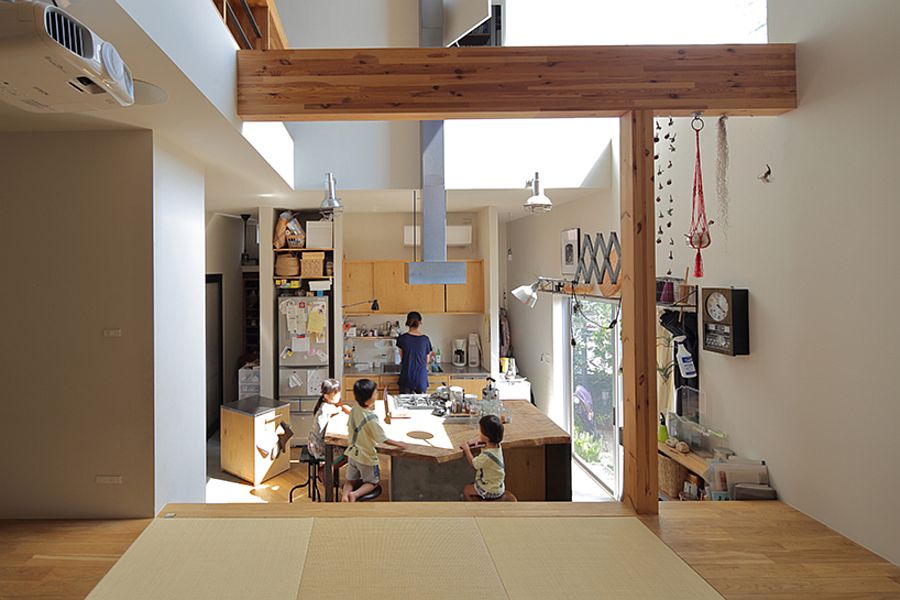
column 215, row 559
column 372, row 558
column 597, row 558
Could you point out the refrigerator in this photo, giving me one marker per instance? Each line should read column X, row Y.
column 303, row 357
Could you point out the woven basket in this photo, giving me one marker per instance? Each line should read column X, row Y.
column 671, row 477
column 312, row 267
column 287, row 265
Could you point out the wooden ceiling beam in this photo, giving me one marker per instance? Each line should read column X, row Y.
column 515, row 82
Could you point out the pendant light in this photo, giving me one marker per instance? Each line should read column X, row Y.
column 331, row 203
column 538, row 203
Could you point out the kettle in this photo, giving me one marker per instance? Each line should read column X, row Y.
column 490, row 393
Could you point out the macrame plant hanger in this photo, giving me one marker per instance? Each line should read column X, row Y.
column 698, row 238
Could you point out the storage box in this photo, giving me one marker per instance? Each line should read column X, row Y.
column 248, row 381
column 671, row 476
column 312, row 264
column 319, row 234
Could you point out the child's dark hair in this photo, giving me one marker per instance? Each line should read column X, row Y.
column 328, row 386
column 363, row 390
column 492, row 428
column 413, row 319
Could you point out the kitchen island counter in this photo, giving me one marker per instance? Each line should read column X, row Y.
column 537, row 451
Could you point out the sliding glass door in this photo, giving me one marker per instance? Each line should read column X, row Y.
column 594, row 388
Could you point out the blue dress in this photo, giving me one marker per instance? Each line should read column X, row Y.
column 414, row 366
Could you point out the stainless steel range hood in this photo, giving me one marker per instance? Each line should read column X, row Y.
column 434, row 267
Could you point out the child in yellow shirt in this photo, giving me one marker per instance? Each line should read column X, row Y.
column 365, row 433
column 490, row 473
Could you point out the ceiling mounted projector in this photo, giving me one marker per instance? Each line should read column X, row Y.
column 52, row 63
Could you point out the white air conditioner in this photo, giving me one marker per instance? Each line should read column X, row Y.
column 51, row 62
column 457, row 235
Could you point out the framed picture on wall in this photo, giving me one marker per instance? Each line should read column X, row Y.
column 569, row 247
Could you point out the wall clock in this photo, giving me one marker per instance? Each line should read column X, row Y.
column 726, row 321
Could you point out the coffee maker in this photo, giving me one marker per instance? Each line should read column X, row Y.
column 459, row 353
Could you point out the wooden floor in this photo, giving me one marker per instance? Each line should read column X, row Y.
column 747, row 551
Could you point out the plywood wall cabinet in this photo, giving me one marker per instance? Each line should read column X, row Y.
column 358, row 286
column 386, row 280
column 398, row 297
column 468, row 297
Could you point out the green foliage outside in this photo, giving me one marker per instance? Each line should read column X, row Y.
column 593, row 371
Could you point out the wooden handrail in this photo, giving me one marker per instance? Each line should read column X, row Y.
column 254, row 24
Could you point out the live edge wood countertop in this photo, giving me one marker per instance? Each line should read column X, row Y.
column 529, row 427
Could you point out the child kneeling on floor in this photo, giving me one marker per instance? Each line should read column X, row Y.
column 490, row 473
column 365, row 433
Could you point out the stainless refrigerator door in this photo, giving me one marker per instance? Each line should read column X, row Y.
column 309, row 350
column 294, row 382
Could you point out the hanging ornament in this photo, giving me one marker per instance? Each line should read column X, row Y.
column 722, row 171
column 698, row 238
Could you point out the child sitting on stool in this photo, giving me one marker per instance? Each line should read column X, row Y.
column 489, row 470
column 328, row 406
column 365, row 432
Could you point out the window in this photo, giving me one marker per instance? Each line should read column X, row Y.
column 594, row 390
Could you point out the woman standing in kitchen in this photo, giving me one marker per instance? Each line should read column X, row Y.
column 415, row 356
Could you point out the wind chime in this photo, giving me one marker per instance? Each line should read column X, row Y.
column 664, row 141
column 698, row 237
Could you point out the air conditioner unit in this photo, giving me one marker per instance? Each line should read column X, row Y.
column 457, row 235
column 50, row 62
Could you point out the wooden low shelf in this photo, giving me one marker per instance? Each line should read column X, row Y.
column 691, row 461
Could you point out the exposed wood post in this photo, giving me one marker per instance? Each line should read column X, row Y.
column 640, row 477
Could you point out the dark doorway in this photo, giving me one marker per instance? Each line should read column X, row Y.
column 214, row 353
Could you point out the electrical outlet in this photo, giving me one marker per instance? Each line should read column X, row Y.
column 545, row 358
column 108, row 479
column 112, row 333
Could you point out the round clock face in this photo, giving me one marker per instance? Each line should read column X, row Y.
column 717, row 306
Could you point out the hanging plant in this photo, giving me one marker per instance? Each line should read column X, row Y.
column 722, row 172
column 698, row 237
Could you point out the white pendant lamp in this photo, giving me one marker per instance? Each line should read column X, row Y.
column 538, row 203
column 331, row 203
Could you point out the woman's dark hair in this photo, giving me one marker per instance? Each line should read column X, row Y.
column 328, row 386
column 492, row 428
column 413, row 319
column 363, row 390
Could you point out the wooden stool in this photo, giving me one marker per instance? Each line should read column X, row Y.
column 506, row 497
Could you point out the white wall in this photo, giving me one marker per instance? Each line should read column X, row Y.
column 363, row 155
column 817, row 249
column 223, row 256
column 534, row 241
column 179, row 328
column 77, row 261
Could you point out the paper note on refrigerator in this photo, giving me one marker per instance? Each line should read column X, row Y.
column 314, row 381
column 299, row 343
column 295, row 380
column 317, row 320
